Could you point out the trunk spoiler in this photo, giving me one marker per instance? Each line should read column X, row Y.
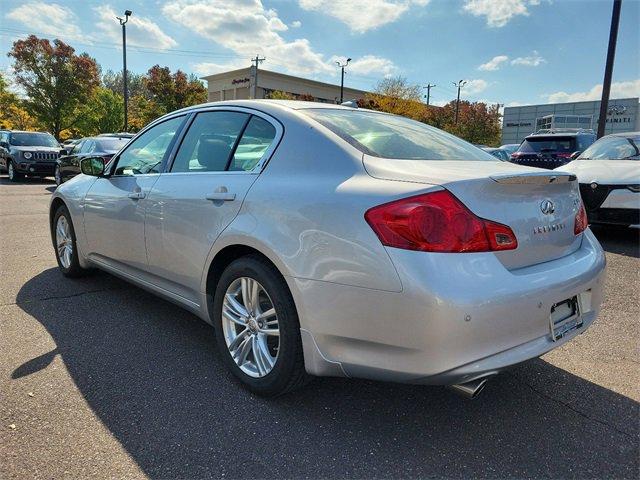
column 534, row 178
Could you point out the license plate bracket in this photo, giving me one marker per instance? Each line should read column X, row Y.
column 565, row 316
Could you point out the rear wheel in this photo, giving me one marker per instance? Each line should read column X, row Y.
column 64, row 242
column 14, row 175
column 257, row 328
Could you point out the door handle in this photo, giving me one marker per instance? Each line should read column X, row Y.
column 221, row 196
column 136, row 195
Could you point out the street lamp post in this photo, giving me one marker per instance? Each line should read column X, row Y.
column 608, row 70
column 342, row 65
column 125, row 89
column 459, row 86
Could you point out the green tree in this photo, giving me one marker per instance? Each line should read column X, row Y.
column 396, row 95
column 172, row 91
column 477, row 122
column 280, row 95
column 135, row 83
column 12, row 112
column 104, row 113
column 56, row 81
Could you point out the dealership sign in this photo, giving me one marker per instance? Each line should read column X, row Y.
column 236, row 81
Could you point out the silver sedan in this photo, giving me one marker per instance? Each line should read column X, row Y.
column 327, row 240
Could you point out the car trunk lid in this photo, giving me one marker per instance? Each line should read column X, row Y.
column 539, row 206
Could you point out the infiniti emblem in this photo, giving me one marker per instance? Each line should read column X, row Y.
column 547, row 207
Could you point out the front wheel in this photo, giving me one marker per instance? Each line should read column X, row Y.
column 14, row 175
column 64, row 243
column 257, row 328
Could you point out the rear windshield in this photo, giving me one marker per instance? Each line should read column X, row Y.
column 33, row 140
column 391, row 136
column 548, row 144
column 111, row 144
column 613, row 148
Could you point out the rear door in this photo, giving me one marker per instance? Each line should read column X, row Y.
column 218, row 159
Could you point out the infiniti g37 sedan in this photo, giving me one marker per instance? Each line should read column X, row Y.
column 334, row 241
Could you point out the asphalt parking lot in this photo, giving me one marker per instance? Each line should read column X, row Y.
column 100, row 378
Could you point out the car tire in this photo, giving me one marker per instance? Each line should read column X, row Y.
column 14, row 175
column 58, row 176
column 278, row 367
column 64, row 244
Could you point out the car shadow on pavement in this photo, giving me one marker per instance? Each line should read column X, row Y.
column 151, row 373
column 614, row 239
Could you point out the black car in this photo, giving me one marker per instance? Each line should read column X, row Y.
column 28, row 154
column 104, row 146
column 500, row 154
column 552, row 148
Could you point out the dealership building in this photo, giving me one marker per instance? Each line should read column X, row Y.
column 518, row 122
column 258, row 83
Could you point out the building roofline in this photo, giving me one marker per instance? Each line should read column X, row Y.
column 566, row 103
column 216, row 76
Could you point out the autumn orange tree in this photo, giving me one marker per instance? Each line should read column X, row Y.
column 57, row 82
column 477, row 123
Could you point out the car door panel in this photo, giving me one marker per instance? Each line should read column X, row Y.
column 186, row 213
column 115, row 205
column 114, row 211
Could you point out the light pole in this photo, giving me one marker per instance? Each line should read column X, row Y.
column 342, row 65
column 125, row 89
column 608, row 70
column 459, row 86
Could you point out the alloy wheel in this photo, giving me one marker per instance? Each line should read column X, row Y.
column 64, row 242
column 58, row 177
column 10, row 171
column 250, row 327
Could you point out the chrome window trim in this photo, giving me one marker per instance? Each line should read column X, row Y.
column 257, row 169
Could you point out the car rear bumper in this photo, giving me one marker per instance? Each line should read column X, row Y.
column 459, row 316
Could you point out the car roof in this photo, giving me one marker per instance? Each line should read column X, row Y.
column 270, row 105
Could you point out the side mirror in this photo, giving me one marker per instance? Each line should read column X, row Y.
column 4, row 145
column 93, row 166
column 575, row 155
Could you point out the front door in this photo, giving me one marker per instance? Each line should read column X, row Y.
column 115, row 205
column 202, row 192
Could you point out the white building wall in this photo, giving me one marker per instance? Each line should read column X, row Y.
column 518, row 122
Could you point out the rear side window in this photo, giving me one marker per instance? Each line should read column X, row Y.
column 208, row 144
column 548, row 145
column 391, row 136
column 255, row 141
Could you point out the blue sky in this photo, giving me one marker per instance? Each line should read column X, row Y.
column 510, row 51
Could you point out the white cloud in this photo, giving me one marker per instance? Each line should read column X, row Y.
column 362, row 15
column 532, row 60
column 247, row 28
column 296, row 24
column 475, row 86
column 618, row 90
column 498, row 12
column 211, row 68
column 494, row 63
column 48, row 18
column 141, row 32
column 369, row 64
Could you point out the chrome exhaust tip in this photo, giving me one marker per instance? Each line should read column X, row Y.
column 470, row 389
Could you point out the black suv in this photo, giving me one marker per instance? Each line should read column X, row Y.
column 28, row 154
column 552, row 148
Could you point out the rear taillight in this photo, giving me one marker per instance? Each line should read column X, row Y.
column 437, row 222
column 582, row 222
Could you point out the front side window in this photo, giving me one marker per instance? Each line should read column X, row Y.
column 146, row 153
column 208, row 144
column 33, row 140
column 612, row 148
column 391, row 136
column 255, row 141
